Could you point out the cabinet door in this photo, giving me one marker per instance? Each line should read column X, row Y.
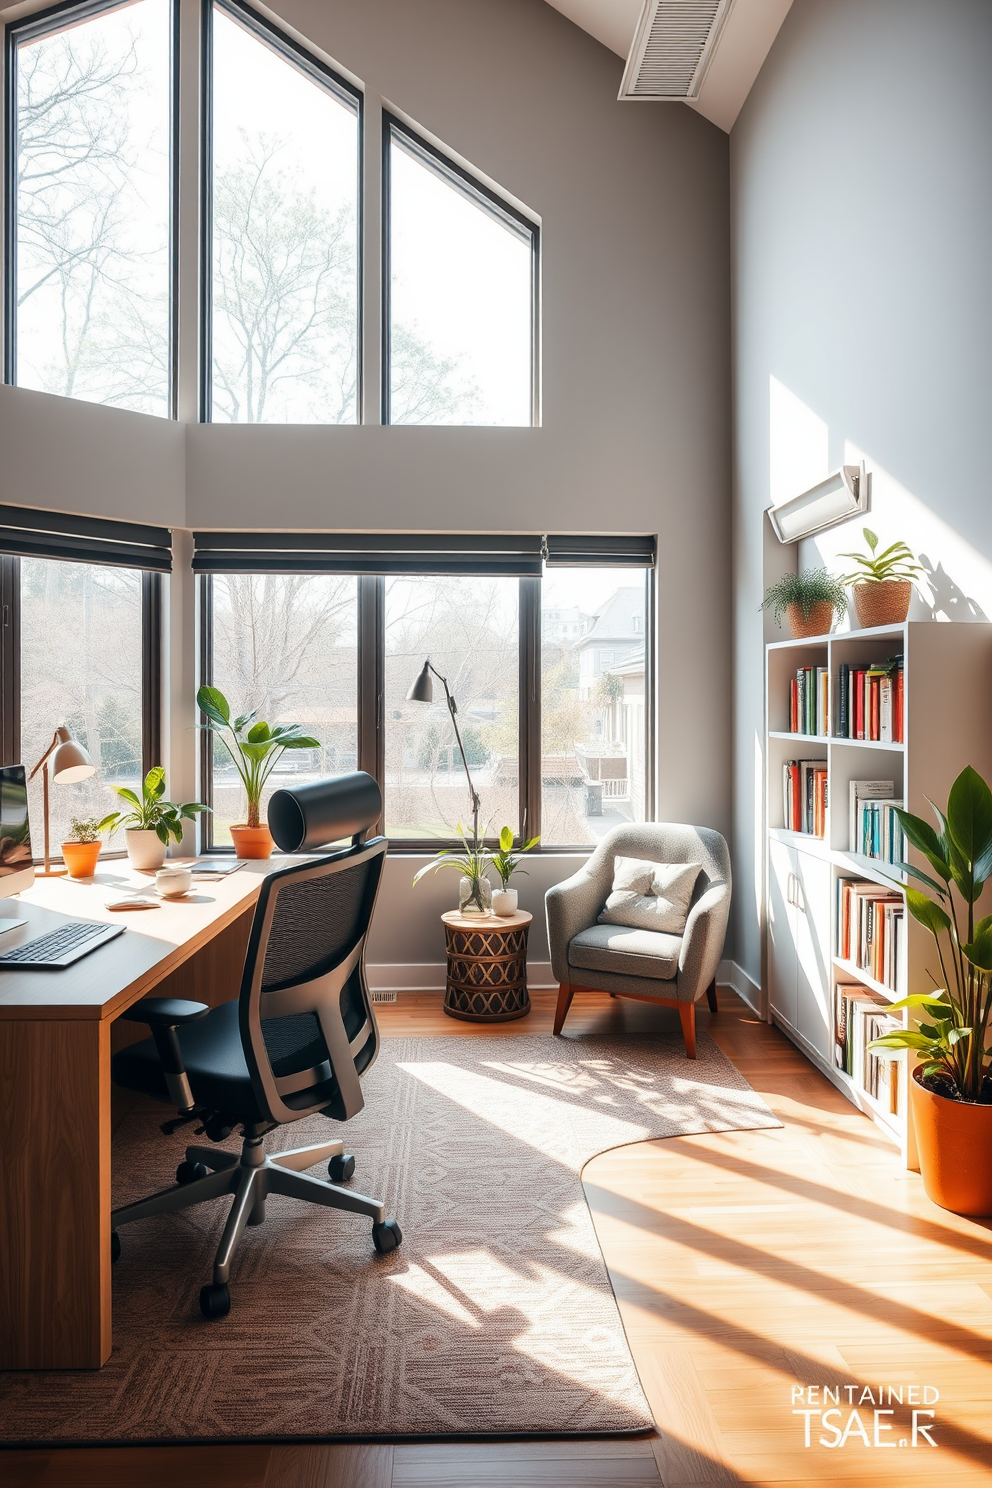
column 813, row 952
column 782, row 914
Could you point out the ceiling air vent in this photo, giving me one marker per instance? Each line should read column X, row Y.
column 672, row 47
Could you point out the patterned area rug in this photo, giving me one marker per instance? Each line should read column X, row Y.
column 494, row 1317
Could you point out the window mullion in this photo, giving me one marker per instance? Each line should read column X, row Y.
column 530, row 709
column 206, row 598
column 10, row 660
column 371, row 667
column 151, row 671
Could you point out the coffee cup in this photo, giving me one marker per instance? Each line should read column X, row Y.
column 173, row 883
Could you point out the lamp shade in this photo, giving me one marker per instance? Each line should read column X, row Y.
column 422, row 690
column 70, row 761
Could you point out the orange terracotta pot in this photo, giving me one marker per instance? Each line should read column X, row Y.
column 954, row 1142
column 882, row 602
column 80, row 858
column 252, row 842
column 821, row 618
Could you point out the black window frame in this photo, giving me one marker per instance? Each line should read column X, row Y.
column 39, row 24
column 471, row 186
column 371, row 679
column 299, row 56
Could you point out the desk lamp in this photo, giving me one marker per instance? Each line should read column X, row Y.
column 422, row 691
column 69, row 762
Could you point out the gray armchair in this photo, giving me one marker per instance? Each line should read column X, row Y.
column 675, row 970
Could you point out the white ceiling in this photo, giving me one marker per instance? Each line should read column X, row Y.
column 750, row 28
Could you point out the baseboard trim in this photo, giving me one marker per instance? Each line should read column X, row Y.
column 729, row 974
column 429, row 976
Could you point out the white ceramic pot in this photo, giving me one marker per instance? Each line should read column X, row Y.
column 146, row 852
column 505, row 902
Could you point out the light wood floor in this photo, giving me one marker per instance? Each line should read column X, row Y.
column 746, row 1264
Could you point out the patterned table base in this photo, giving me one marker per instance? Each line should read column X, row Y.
column 487, row 974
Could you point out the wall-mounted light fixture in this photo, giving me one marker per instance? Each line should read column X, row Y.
column 843, row 495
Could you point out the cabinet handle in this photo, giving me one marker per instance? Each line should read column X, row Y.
column 790, row 892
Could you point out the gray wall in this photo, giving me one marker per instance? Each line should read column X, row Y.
column 861, row 205
column 635, row 436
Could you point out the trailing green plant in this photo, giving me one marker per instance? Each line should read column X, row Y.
column 84, row 829
column 255, row 747
column 150, row 813
column 505, row 860
column 808, row 587
column 952, row 1042
column 895, row 562
column 472, row 862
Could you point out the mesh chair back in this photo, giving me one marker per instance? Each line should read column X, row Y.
column 307, row 1024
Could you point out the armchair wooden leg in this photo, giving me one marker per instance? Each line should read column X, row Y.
column 711, row 996
column 687, row 1013
column 565, row 995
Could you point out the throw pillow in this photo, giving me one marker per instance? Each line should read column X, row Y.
column 650, row 896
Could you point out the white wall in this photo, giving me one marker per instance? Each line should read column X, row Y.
column 861, row 206
column 635, row 432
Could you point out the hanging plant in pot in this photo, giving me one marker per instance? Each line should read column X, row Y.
column 883, row 583
column 951, row 1087
column 810, row 599
column 255, row 749
column 475, row 892
column 505, row 861
column 150, row 822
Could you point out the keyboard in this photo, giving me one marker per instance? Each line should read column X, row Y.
column 62, row 946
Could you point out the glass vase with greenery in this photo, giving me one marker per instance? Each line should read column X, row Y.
column 803, row 591
column 475, row 895
column 951, row 1042
column 255, row 747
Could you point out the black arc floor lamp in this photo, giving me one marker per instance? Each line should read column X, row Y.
column 422, row 691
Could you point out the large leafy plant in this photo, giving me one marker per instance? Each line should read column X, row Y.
column 255, row 747
column 951, row 1042
column 471, row 861
column 150, row 813
column 809, row 587
column 504, row 859
column 895, row 562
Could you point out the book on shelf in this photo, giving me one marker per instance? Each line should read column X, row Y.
column 878, row 831
column 865, row 790
column 871, row 930
column 809, row 702
column 860, row 1015
column 871, row 701
column 804, row 796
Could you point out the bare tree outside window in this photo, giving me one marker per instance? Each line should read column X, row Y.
column 92, row 209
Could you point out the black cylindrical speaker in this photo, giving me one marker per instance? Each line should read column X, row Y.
column 306, row 817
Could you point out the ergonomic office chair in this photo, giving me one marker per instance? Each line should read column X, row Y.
column 295, row 1042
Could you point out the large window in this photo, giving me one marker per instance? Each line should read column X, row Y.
column 284, row 324
column 550, row 669
column 461, row 286
column 88, row 235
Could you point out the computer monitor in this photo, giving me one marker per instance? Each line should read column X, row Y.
column 16, row 866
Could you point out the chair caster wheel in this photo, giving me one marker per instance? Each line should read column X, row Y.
column 341, row 1168
column 386, row 1236
column 115, row 1247
column 189, row 1172
column 215, row 1300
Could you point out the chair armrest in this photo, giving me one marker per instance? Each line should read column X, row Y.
column 164, row 1015
column 165, row 1012
column 570, row 906
column 702, row 942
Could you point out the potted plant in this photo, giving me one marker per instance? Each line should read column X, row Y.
column 255, row 749
column 883, row 583
column 810, row 599
column 475, row 892
column 951, row 1086
column 81, row 848
column 150, row 821
column 505, row 861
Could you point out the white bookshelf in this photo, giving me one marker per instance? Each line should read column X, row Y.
column 947, row 725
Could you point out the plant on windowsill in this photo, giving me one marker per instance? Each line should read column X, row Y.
column 505, row 861
column 81, row 848
column 150, row 822
column 475, row 892
column 255, row 749
column 883, row 583
column 951, row 1087
column 809, row 599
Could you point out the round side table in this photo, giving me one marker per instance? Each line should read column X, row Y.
column 487, row 966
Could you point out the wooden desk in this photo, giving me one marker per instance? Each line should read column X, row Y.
column 55, row 1120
